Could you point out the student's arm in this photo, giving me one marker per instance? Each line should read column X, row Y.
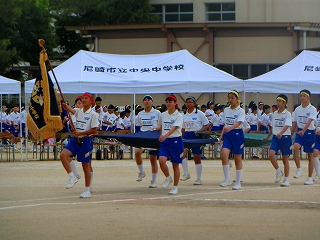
column 68, row 108
column 293, row 128
column 301, row 132
column 164, row 137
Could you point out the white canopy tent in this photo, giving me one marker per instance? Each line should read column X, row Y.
column 174, row 72
column 302, row 72
column 9, row 86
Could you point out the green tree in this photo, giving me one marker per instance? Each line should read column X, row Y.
column 97, row 12
column 22, row 23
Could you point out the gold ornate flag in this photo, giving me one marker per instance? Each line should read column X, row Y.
column 43, row 118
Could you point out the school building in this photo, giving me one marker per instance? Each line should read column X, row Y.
column 245, row 38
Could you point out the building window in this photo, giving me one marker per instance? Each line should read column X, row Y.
column 246, row 71
column 174, row 13
column 220, row 12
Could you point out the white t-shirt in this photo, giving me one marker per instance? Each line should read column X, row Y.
column 301, row 116
column 253, row 119
column 14, row 118
column 231, row 116
column 193, row 122
column 209, row 114
column 86, row 120
column 265, row 119
column 167, row 121
column 216, row 120
column 112, row 119
column 119, row 123
column 148, row 120
column 23, row 116
column 318, row 121
column 280, row 120
column 4, row 117
column 127, row 121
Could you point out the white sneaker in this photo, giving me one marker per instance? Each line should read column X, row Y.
column 77, row 178
column 236, row 187
column 298, row 173
column 316, row 178
column 285, row 184
column 278, row 177
column 153, row 184
column 85, row 194
column 230, row 164
column 167, row 182
column 308, row 181
column 140, row 176
column 71, row 182
column 225, row 183
column 174, row 191
column 197, row 182
column 185, row 177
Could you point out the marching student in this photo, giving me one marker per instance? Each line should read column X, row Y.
column 209, row 112
column 280, row 128
column 265, row 119
column 194, row 121
column 233, row 139
column 147, row 120
column 81, row 144
column 171, row 142
column 304, row 117
column 316, row 149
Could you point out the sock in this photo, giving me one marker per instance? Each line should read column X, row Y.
column 87, row 189
column 74, row 169
column 226, row 172
column 154, row 177
column 286, row 179
column 91, row 179
column 167, row 178
column 185, row 166
column 278, row 171
column 140, row 168
column 175, row 187
column 199, row 171
column 316, row 165
column 238, row 176
column 71, row 175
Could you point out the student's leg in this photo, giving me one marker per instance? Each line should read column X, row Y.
column 316, row 163
column 197, row 161
column 154, row 168
column 296, row 154
column 311, row 165
column 176, row 174
column 137, row 153
column 273, row 160
column 163, row 165
column 238, row 163
column 286, row 166
column 66, row 159
column 225, row 167
column 87, row 173
column 185, row 164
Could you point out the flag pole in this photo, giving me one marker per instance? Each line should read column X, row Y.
column 41, row 43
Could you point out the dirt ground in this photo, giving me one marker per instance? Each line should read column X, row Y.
column 34, row 204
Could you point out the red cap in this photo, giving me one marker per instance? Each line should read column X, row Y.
column 171, row 97
column 89, row 96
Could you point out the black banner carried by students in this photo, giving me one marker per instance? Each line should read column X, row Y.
column 43, row 118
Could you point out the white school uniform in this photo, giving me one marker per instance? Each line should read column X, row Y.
column 169, row 120
column 86, row 120
column 280, row 120
column 148, row 120
column 193, row 122
column 301, row 116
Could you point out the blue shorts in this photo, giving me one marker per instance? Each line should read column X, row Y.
column 104, row 128
column 215, row 128
column 14, row 131
column 283, row 144
column 172, row 147
column 317, row 144
column 221, row 127
column 153, row 152
column 82, row 150
column 264, row 129
column 6, row 127
column 192, row 135
column 234, row 141
column 110, row 129
column 307, row 140
column 253, row 128
column 23, row 125
column 137, row 129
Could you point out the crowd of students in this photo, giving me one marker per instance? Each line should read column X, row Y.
column 231, row 121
